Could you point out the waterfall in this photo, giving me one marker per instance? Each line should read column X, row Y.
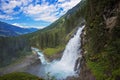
column 72, row 50
column 40, row 54
column 64, row 67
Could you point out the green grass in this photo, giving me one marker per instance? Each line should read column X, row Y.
column 97, row 70
column 116, row 73
column 52, row 51
column 19, row 76
column 102, row 70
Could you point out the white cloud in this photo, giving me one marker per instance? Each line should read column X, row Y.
column 41, row 27
column 24, row 26
column 19, row 25
column 45, row 11
column 8, row 6
column 38, row 27
column 46, row 18
column 6, row 17
column 25, row 2
column 68, row 4
column 33, row 10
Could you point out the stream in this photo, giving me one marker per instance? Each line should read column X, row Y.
column 63, row 68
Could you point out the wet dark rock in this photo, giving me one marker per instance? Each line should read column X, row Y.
column 55, row 56
column 85, row 73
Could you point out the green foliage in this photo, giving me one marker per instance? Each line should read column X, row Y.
column 116, row 74
column 19, row 76
column 102, row 46
column 104, row 66
column 97, row 70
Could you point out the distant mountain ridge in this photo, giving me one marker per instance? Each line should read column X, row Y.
column 11, row 30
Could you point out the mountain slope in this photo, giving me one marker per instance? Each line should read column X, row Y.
column 11, row 30
column 52, row 38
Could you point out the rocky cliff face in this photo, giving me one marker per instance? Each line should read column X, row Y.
column 101, row 40
column 85, row 72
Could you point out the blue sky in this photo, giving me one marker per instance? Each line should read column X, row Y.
column 34, row 13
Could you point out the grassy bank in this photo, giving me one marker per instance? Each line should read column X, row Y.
column 53, row 51
column 19, row 76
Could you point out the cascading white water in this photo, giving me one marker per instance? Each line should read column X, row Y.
column 63, row 68
column 41, row 56
column 72, row 50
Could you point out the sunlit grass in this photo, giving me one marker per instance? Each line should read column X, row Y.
column 52, row 51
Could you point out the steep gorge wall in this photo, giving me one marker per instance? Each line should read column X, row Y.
column 101, row 41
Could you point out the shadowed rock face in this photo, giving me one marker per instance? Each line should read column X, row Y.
column 85, row 72
column 111, row 23
column 78, row 65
